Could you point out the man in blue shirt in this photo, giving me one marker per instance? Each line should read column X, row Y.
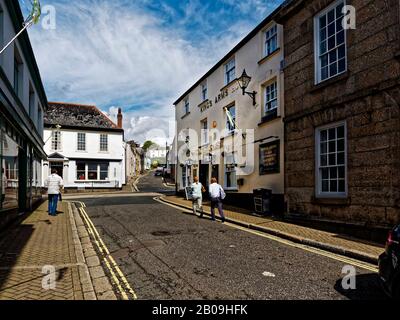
column 198, row 190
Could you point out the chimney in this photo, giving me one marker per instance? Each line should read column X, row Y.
column 120, row 118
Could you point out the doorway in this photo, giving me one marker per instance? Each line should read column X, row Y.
column 59, row 166
column 215, row 172
column 204, row 175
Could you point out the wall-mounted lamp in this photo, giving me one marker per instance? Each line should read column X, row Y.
column 244, row 82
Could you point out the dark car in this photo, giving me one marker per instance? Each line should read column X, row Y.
column 159, row 172
column 389, row 269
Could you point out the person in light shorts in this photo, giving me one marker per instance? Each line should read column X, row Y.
column 198, row 190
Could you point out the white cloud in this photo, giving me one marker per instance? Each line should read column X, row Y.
column 115, row 53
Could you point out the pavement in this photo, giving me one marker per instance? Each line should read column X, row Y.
column 51, row 258
column 332, row 242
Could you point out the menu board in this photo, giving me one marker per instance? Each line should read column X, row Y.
column 270, row 158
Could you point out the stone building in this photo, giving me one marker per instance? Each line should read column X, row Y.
column 342, row 111
column 134, row 160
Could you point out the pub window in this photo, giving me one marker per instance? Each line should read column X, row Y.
column 81, row 141
column 271, row 40
column 231, row 118
column 230, row 172
column 271, row 98
column 204, row 131
column 230, row 71
column 103, row 142
column 56, row 141
column 204, row 93
column 331, row 161
column 186, row 106
column 330, row 42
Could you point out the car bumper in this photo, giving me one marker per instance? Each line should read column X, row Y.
column 386, row 273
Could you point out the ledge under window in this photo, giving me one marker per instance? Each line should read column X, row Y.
column 267, row 57
column 334, row 201
column 269, row 116
column 187, row 114
column 329, row 82
column 228, row 85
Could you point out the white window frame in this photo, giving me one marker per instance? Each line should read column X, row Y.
column 56, row 142
column 268, row 37
column 186, row 106
column 80, row 142
column 227, row 126
column 204, row 132
column 318, row 178
column 102, row 143
column 230, row 167
column 317, row 51
column 266, row 100
column 228, row 70
column 204, row 91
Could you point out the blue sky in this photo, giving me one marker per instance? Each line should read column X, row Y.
column 137, row 54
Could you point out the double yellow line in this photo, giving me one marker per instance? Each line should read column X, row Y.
column 118, row 277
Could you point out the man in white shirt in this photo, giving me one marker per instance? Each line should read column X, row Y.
column 217, row 194
column 3, row 186
column 54, row 184
column 197, row 189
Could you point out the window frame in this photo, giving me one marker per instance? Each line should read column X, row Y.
column 204, row 91
column 317, row 53
column 269, row 84
column 186, row 106
column 79, row 142
column 56, row 143
column 205, row 138
column 102, row 135
column 318, row 179
column 227, row 125
column 228, row 71
column 269, row 37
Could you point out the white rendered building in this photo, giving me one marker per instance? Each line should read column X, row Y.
column 85, row 146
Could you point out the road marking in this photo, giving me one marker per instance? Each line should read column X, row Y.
column 108, row 259
column 268, row 274
column 303, row 247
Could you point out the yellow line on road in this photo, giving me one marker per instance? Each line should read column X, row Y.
column 303, row 247
column 108, row 259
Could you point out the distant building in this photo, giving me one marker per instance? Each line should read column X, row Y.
column 84, row 146
column 157, row 153
column 134, row 160
column 22, row 103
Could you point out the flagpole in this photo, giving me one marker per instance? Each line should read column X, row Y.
column 27, row 25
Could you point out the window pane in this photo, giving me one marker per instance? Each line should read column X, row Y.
column 340, row 132
column 332, row 134
column 333, row 173
column 324, row 135
column 342, row 65
column 331, row 43
column 333, row 186
column 341, row 173
column 322, row 21
column 324, row 148
column 341, row 51
column 340, row 37
column 342, row 186
column 325, row 174
column 340, row 145
column 324, row 161
column 332, row 159
column 340, row 158
column 325, row 186
column 331, row 29
column 331, row 16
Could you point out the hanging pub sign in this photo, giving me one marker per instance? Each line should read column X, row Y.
column 270, row 158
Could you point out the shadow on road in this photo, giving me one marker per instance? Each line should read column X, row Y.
column 367, row 288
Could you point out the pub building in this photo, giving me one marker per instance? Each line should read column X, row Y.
column 244, row 90
column 22, row 104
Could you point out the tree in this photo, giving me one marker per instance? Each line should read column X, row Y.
column 147, row 145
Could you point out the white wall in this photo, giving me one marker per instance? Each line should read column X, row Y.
column 69, row 149
column 262, row 71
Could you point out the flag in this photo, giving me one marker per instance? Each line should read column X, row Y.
column 36, row 11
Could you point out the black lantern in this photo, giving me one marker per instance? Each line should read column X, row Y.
column 244, row 82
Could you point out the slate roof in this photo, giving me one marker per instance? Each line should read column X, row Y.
column 69, row 115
